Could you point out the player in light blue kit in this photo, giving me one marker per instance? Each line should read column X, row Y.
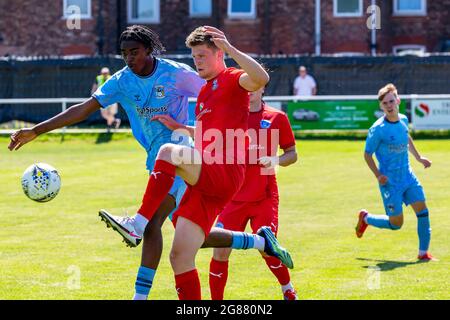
column 146, row 87
column 389, row 139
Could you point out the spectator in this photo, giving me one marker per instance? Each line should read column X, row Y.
column 109, row 113
column 304, row 84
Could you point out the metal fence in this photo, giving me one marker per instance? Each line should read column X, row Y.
column 347, row 112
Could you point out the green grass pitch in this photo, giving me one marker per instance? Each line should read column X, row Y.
column 61, row 249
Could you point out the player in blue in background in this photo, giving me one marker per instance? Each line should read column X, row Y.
column 146, row 87
column 389, row 139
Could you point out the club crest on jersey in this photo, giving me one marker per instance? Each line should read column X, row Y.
column 160, row 92
column 200, row 107
column 215, row 84
column 265, row 124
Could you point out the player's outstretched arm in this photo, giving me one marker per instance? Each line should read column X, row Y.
column 255, row 77
column 412, row 148
column 72, row 115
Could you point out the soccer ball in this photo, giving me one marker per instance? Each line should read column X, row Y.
column 41, row 182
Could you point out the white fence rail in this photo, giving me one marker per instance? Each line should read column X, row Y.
column 438, row 117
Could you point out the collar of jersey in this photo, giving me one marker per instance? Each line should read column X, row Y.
column 217, row 75
column 386, row 119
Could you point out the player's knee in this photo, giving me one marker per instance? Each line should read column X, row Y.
column 153, row 228
column 178, row 257
column 221, row 254
column 166, row 152
column 396, row 223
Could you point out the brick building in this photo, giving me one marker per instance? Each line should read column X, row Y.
column 47, row 27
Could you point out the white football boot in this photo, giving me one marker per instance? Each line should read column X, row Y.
column 124, row 226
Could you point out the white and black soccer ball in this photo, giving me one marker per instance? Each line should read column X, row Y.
column 41, row 182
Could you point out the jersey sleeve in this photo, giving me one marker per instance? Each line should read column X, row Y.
column 188, row 81
column 235, row 75
column 287, row 138
column 404, row 119
column 107, row 94
column 373, row 140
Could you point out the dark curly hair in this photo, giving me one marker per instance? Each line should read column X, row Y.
column 144, row 35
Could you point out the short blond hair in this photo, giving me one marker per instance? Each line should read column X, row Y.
column 389, row 88
column 199, row 37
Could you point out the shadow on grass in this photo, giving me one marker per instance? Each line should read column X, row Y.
column 104, row 137
column 386, row 265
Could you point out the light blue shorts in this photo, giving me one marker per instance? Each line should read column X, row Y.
column 394, row 194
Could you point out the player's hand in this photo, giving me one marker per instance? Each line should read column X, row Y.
column 21, row 137
column 268, row 162
column 219, row 38
column 168, row 121
column 382, row 179
column 426, row 163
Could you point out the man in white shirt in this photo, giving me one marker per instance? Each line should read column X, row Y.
column 304, row 84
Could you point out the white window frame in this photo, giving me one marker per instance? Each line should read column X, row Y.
column 88, row 15
column 155, row 19
column 347, row 15
column 401, row 47
column 198, row 15
column 241, row 15
column 422, row 12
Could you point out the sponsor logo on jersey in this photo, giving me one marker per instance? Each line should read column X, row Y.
column 202, row 110
column 148, row 112
column 398, row 148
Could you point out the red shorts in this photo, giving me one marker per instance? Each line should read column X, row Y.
column 237, row 214
column 203, row 202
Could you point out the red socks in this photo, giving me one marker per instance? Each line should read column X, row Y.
column 278, row 269
column 218, row 275
column 158, row 186
column 188, row 285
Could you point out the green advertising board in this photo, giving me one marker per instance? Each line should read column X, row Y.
column 335, row 114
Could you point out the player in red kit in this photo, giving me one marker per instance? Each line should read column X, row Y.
column 214, row 170
column 257, row 200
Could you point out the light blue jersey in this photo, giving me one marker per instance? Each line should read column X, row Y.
column 390, row 143
column 165, row 91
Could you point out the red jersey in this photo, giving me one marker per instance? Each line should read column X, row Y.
column 268, row 129
column 222, row 105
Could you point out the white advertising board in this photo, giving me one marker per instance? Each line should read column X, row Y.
column 430, row 113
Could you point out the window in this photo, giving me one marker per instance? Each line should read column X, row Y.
column 410, row 7
column 242, row 9
column 82, row 6
column 143, row 11
column 409, row 49
column 347, row 8
column 200, row 8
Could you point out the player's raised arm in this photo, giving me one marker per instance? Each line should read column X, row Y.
column 255, row 77
column 72, row 115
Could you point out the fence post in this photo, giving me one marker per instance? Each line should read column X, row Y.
column 64, row 107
